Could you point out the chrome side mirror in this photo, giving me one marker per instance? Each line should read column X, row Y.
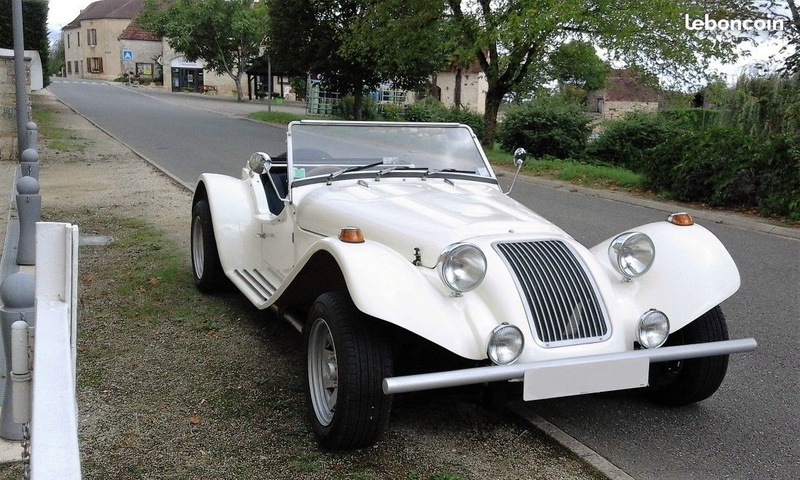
column 519, row 160
column 519, row 157
column 259, row 162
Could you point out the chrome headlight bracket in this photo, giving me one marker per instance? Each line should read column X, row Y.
column 632, row 254
column 461, row 267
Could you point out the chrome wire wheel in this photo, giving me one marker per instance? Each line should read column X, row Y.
column 198, row 254
column 323, row 372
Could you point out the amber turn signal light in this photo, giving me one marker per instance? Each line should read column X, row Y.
column 351, row 235
column 681, row 219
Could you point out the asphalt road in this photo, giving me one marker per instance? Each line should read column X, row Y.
column 748, row 430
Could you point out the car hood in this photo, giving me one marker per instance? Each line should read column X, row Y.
column 428, row 215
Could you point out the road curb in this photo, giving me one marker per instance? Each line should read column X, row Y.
column 586, row 454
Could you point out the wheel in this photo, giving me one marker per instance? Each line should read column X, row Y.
column 206, row 268
column 685, row 382
column 347, row 360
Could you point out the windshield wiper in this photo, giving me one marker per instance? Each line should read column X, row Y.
column 445, row 170
column 354, row 168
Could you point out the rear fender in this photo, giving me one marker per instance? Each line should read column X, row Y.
column 691, row 274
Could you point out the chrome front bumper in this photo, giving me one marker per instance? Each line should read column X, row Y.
column 563, row 369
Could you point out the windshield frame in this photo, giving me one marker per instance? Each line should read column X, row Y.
column 484, row 173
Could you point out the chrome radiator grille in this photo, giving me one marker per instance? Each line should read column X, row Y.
column 562, row 305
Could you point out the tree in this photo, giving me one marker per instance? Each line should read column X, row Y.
column 226, row 34
column 511, row 37
column 576, row 65
column 34, row 25
column 358, row 44
column 787, row 11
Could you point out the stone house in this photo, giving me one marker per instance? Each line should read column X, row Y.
column 103, row 42
column 92, row 48
column 623, row 94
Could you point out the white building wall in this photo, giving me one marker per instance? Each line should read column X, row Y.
column 473, row 90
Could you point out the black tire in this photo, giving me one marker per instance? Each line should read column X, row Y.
column 685, row 382
column 206, row 267
column 347, row 360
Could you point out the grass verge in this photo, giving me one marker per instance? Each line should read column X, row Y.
column 58, row 138
column 175, row 384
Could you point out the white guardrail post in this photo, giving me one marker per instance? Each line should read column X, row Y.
column 54, row 451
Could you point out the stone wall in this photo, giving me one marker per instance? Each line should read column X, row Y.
column 618, row 109
column 8, row 105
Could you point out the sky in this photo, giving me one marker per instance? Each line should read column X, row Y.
column 64, row 11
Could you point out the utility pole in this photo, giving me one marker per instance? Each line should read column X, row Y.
column 19, row 76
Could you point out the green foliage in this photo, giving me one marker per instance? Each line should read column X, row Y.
column 345, row 108
column 763, row 106
column 724, row 166
column 511, row 39
column 627, row 142
column 34, row 28
column 576, row 64
column 546, row 126
column 56, row 62
column 226, row 34
column 430, row 109
column 692, row 117
column 357, row 44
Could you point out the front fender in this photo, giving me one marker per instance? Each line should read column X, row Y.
column 232, row 213
column 385, row 285
column 692, row 273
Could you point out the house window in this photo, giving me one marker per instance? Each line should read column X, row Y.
column 68, row 45
column 77, row 70
column 91, row 37
column 79, row 38
column 95, row 64
column 69, row 68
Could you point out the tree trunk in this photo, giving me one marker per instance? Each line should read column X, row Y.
column 457, row 90
column 494, row 98
column 358, row 103
column 237, row 80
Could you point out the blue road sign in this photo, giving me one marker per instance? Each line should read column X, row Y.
column 127, row 54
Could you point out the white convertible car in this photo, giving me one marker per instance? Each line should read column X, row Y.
column 388, row 244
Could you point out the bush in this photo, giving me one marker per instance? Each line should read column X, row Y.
column 426, row 110
column 430, row 109
column 546, row 126
column 627, row 142
column 779, row 181
column 345, row 108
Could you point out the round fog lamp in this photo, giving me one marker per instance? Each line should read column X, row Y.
column 653, row 329
column 462, row 267
column 632, row 254
column 505, row 344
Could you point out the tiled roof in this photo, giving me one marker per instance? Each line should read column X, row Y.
column 103, row 9
column 623, row 85
column 135, row 32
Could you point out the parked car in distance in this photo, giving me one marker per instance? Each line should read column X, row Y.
column 388, row 244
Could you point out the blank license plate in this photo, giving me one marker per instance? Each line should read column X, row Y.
column 566, row 380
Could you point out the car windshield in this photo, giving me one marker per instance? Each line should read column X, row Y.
column 323, row 148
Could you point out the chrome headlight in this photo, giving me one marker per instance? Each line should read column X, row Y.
column 653, row 329
column 462, row 267
column 505, row 344
column 632, row 254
